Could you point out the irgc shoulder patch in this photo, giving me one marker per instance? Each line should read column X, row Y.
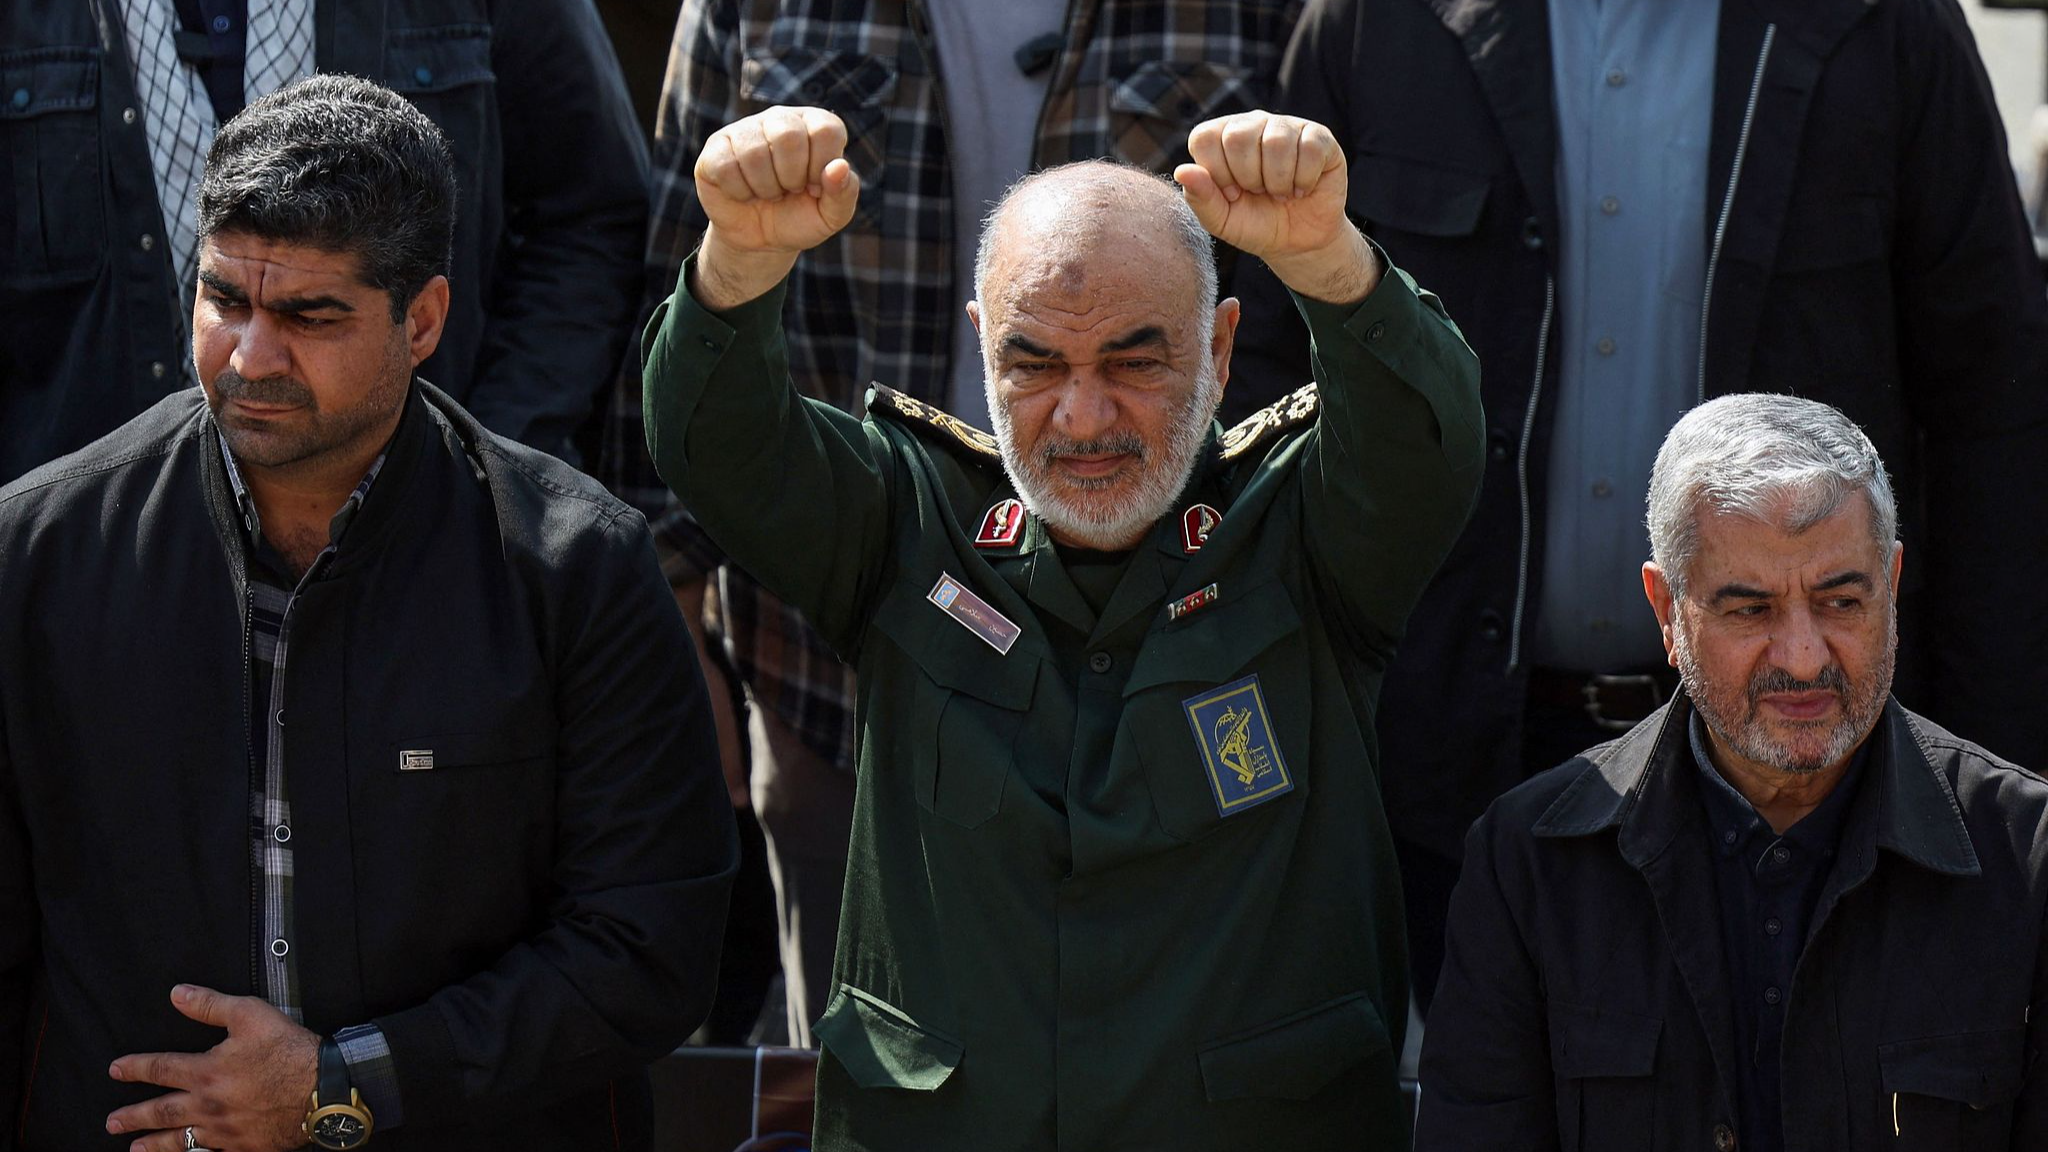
column 1238, row 750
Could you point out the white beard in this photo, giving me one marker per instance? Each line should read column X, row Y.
column 1113, row 513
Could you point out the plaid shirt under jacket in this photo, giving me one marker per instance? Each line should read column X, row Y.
column 877, row 302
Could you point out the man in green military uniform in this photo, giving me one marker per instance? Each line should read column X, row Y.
column 1120, row 874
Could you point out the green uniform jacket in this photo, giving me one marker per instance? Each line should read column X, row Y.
column 1053, row 937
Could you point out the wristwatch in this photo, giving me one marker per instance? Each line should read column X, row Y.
column 337, row 1117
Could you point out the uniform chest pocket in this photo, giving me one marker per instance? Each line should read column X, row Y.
column 1217, row 709
column 1604, row 1061
column 966, row 705
column 1952, row 1093
column 50, row 145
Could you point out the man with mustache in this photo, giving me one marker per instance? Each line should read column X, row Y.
column 1782, row 912
column 357, row 784
column 1120, row 877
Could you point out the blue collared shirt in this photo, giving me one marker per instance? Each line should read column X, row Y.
column 1634, row 86
column 1768, row 885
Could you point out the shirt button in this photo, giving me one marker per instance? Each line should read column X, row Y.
column 21, row 97
column 1602, row 488
column 1724, row 1138
column 156, row 369
column 1780, row 854
column 423, row 74
column 280, row 717
column 1617, row 78
column 1532, row 234
column 1099, row 662
column 127, row 115
column 148, row 242
column 1772, row 927
column 282, row 833
column 1771, row 996
column 1727, row 837
column 1606, row 346
column 278, row 947
column 1609, row 205
column 222, row 23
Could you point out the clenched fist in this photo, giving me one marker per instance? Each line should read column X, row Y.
column 1274, row 186
column 772, row 185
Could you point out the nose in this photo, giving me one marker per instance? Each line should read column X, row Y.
column 1086, row 409
column 260, row 348
column 1797, row 644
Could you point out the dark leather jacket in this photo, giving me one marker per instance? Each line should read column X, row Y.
column 551, row 167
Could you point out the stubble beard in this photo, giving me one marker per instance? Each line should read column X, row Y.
column 311, row 434
column 1111, row 512
column 1797, row 747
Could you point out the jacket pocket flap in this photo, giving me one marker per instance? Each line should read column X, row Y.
column 438, row 59
column 1186, row 92
column 881, row 1047
column 1588, row 1042
column 1414, row 197
column 1211, row 644
column 464, row 749
column 954, row 656
column 1293, row 1058
column 1975, row 1068
column 840, row 81
column 47, row 80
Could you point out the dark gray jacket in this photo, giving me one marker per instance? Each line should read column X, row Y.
column 1585, row 1002
column 529, row 922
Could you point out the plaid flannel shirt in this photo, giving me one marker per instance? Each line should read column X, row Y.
column 877, row 302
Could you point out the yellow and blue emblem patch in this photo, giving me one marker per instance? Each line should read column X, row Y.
column 1239, row 753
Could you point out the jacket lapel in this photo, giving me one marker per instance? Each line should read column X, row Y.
column 1508, row 43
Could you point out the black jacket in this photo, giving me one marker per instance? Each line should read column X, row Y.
column 551, row 210
column 1876, row 257
column 536, row 916
column 1585, row 1003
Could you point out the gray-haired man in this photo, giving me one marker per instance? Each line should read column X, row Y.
column 1781, row 912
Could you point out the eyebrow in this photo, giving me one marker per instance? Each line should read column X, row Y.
column 287, row 304
column 1839, row 580
column 1142, row 337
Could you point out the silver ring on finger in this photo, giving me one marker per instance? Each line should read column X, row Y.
column 192, row 1143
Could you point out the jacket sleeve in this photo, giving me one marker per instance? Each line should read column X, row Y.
column 1391, row 470
column 794, row 491
column 18, row 919
column 645, row 852
column 1486, row 1071
column 567, row 281
column 1973, row 343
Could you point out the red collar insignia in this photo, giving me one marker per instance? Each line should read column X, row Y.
column 1196, row 524
column 1001, row 526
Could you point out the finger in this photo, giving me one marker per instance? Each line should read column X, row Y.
column 756, row 157
column 719, row 167
column 789, row 148
column 169, row 1069
column 171, row 1141
column 1279, row 143
column 1198, row 188
column 171, row 1110
column 1241, row 138
column 827, row 137
column 1205, row 148
column 210, row 1007
column 838, row 193
column 1320, row 156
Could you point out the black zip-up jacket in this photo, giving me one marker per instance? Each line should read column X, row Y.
column 551, row 175
column 1586, row 1003
column 1875, row 257
column 529, row 921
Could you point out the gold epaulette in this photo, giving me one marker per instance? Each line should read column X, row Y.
column 1297, row 407
column 887, row 400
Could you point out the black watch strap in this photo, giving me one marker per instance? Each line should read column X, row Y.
column 333, row 1085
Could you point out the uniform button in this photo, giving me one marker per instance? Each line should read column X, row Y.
column 1609, row 205
column 1532, row 234
column 1375, row 332
column 423, row 74
column 222, row 23
column 1602, row 488
column 1727, row 837
column 711, row 344
column 1099, row 662
column 1780, row 854
column 21, row 97
column 156, row 369
column 1605, row 347
column 282, row 833
column 1490, row 626
column 278, row 947
column 1724, row 1138
column 1772, row 927
column 1772, row 996
column 1617, row 78
column 127, row 115
column 148, row 242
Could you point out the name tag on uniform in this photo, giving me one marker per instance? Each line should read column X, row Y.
column 974, row 613
column 1235, row 734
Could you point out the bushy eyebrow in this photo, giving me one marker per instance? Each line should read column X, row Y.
column 286, row 304
column 1846, row 579
column 1149, row 335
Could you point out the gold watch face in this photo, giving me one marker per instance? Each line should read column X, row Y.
column 339, row 1126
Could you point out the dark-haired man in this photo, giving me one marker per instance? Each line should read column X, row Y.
column 335, row 721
